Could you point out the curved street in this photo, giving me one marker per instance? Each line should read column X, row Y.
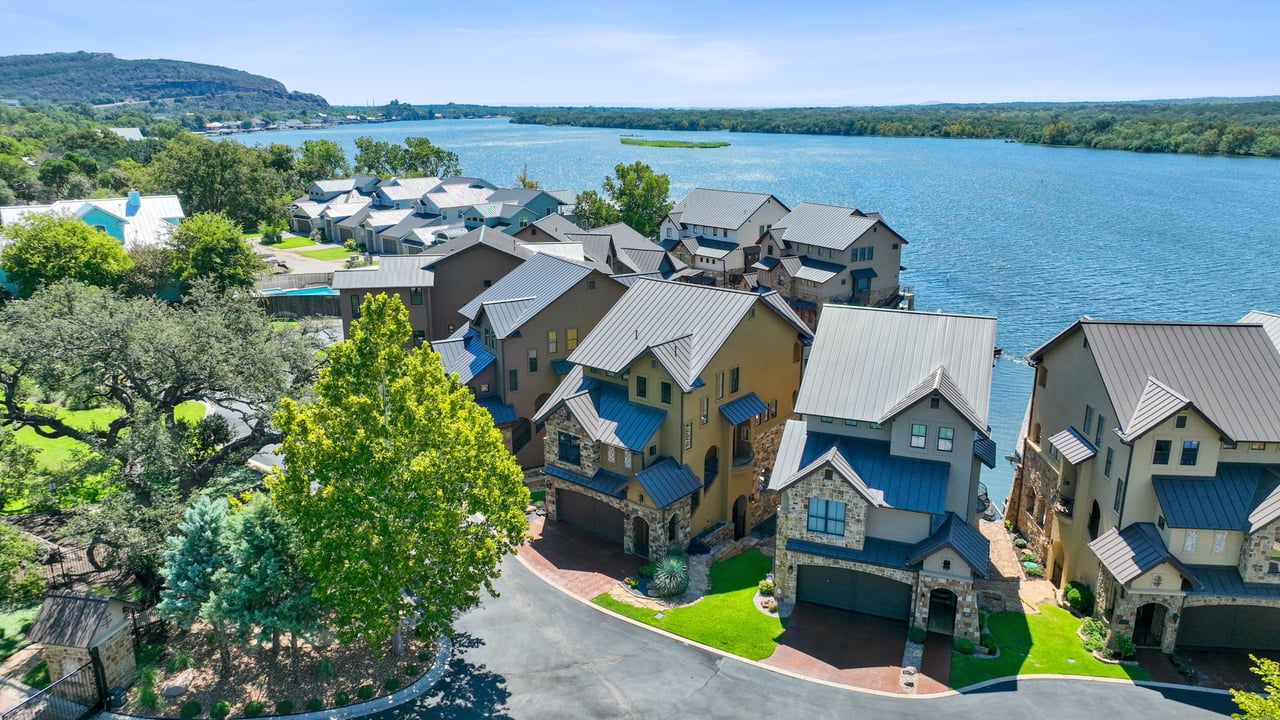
column 536, row 653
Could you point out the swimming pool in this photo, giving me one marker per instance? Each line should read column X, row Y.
column 314, row 290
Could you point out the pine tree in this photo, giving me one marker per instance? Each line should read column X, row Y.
column 192, row 561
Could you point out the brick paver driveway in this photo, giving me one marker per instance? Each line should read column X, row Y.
column 576, row 560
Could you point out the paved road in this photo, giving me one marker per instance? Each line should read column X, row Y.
column 535, row 653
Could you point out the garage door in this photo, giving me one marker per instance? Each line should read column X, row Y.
column 1231, row 626
column 853, row 590
column 590, row 514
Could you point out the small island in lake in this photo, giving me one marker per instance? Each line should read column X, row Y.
column 634, row 140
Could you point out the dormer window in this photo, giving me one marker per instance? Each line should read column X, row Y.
column 934, row 403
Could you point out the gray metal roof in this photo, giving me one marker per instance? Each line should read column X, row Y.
column 1230, row 372
column 826, row 226
column 353, row 220
column 69, row 619
column 807, row 268
column 487, row 236
column 654, row 313
column 667, row 481
column 875, row 551
column 555, row 225
column 465, row 356
column 383, row 219
column 1156, row 403
column 1129, row 553
column 1269, row 322
column 391, row 272
column 939, row 382
column 335, row 185
column 1075, row 447
column 865, row 361
column 719, row 208
column 1226, row 501
column 960, row 536
column 1226, row 580
column 536, row 282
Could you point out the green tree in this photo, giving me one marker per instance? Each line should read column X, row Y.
column 321, row 159
column 427, row 160
column 1264, row 705
column 194, row 570
column 211, row 246
column 55, row 174
column 17, row 467
column 402, row 493
column 21, row 577
column 377, row 157
column 213, row 176
column 47, row 248
column 524, row 181
column 593, row 211
column 641, row 196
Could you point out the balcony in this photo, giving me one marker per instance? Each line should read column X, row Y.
column 743, row 458
column 1063, row 505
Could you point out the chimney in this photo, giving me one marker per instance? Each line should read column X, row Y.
column 134, row 202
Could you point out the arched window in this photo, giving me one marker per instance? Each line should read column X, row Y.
column 710, row 466
column 1095, row 518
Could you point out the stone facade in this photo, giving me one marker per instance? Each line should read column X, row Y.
column 563, row 421
column 115, row 652
column 1255, row 555
column 764, row 503
column 793, row 521
column 967, row 621
column 1035, row 486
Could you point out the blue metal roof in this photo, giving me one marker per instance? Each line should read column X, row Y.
column 667, row 482
column 466, row 356
column 715, row 244
column 803, row 304
column 561, row 367
column 864, row 273
column 635, row 423
column 875, row 551
column 743, row 409
column 985, row 450
column 1221, row 502
column 603, row 481
column 907, row 483
column 502, row 413
column 959, row 536
column 766, row 263
column 1226, row 580
column 668, row 244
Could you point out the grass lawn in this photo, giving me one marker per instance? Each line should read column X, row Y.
column 1033, row 645
column 331, row 253
column 13, row 624
column 672, row 143
column 726, row 618
column 290, row 243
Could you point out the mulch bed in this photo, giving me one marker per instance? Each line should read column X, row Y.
column 257, row 676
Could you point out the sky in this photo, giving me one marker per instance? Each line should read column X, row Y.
column 664, row 53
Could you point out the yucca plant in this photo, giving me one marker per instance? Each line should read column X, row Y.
column 671, row 577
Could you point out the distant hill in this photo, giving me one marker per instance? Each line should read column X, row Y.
column 103, row 79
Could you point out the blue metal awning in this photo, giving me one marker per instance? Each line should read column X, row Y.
column 803, row 305
column 561, row 367
column 743, row 409
column 502, row 413
column 864, row 273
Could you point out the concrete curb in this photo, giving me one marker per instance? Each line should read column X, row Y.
column 853, row 688
column 360, row 709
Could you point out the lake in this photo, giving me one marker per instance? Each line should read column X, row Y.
column 1035, row 236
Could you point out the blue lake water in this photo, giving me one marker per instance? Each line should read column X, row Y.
column 1035, row 236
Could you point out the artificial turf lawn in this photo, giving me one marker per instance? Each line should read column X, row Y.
column 290, row 243
column 333, row 253
column 1036, row 645
column 726, row 618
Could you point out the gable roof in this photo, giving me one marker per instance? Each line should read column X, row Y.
column 1269, row 322
column 666, row 481
column 1130, row 553
column 1240, row 496
column 866, row 362
column 826, row 226
column 391, row 272
column 555, row 225
column 719, row 208
column 654, row 313
column 1230, row 372
column 807, row 268
column 1075, row 447
column 463, row 354
column 147, row 222
column 603, row 411
column 70, row 619
column 965, row 539
column 534, row 284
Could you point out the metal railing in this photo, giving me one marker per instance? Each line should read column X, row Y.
column 74, row 696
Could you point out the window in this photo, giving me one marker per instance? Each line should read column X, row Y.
column 591, row 284
column 1189, row 542
column 642, row 386
column 1106, row 468
column 451, row 328
column 666, row 393
column 612, row 454
column 1190, row 452
column 876, row 426
column 773, row 408
column 946, row 438
column 826, row 516
column 1097, row 433
column 1088, row 418
column 825, row 419
column 355, row 306
column 626, row 459
column 719, row 385
column 1161, row 455
column 1228, row 445
column 488, row 283
column 1180, row 422
column 688, row 436
column 552, row 342
column 571, row 338
column 1042, row 378
column 705, row 414
column 415, row 296
column 851, row 423
column 734, row 377
column 871, row 253
column 484, row 387
column 570, row 449
column 533, row 361
column 1119, row 501
column 1219, row 542
column 513, row 380
column 1258, row 446
column 653, row 451
column 946, row 564
column 419, row 337
column 918, row 433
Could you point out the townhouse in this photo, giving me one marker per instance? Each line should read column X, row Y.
column 717, row 231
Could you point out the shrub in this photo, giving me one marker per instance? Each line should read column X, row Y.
column 220, row 710
column 1020, row 543
column 391, row 684
column 425, row 656
column 965, row 646
column 314, row 705
column 189, row 709
column 148, row 698
column 679, row 551
column 364, row 692
column 325, row 670
column 1183, row 666
column 671, row 578
column 1079, row 597
column 633, row 582
column 917, row 634
column 988, row 641
column 253, row 709
column 411, row 670
column 341, row 699
column 1035, row 572
column 349, row 245
column 1095, row 634
column 1125, row 647
column 767, row 587
column 182, row 660
column 284, row 707
column 647, row 570
column 1027, row 556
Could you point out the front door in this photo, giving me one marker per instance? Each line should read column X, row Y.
column 942, row 612
column 740, row 517
column 640, row 537
column 1148, row 626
